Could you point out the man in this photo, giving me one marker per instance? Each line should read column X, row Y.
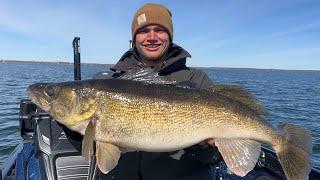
column 152, row 36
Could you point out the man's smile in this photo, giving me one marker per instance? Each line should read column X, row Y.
column 152, row 47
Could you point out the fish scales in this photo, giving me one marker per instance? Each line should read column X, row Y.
column 124, row 115
column 165, row 112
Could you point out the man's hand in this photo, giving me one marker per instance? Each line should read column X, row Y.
column 208, row 142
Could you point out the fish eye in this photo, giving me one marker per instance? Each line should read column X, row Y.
column 49, row 90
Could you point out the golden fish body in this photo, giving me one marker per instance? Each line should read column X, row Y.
column 166, row 124
column 124, row 115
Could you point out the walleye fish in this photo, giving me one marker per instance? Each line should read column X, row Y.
column 123, row 115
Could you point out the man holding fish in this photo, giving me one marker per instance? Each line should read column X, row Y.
column 152, row 36
column 156, row 120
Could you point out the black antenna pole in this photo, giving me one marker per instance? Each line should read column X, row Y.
column 76, row 58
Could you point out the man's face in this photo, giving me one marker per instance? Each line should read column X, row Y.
column 152, row 42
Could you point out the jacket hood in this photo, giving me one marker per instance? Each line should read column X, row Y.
column 176, row 59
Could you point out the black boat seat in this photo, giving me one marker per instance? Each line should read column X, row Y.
column 59, row 150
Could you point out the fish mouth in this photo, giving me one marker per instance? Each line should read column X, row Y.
column 37, row 95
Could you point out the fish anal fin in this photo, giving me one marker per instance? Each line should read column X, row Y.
column 88, row 141
column 240, row 94
column 240, row 155
column 107, row 156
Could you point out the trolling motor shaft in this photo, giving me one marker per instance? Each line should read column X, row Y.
column 76, row 58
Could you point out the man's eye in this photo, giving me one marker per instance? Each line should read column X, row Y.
column 143, row 31
column 159, row 30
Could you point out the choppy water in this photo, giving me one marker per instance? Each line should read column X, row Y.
column 290, row 96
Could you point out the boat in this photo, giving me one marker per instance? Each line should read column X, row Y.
column 50, row 151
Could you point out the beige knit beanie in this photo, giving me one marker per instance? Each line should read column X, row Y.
column 152, row 14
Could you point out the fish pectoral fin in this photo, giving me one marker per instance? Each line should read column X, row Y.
column 240, row 155
column 107, row 156
column 88, row 141
column 125, row 150
column 178, row 155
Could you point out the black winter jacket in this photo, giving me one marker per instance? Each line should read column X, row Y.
column 173, row 68
column 195, row 163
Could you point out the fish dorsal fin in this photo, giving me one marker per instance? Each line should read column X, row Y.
column 147, row 75
column 240, row 94
column 107, row 156
column 240, row 155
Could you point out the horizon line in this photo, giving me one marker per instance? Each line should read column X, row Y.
column 107, row 64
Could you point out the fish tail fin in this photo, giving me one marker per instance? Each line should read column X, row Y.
column 294, row 152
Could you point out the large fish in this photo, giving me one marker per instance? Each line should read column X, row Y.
column 136, row 114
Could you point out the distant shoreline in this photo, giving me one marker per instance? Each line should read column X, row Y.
column 71, row 63
column 46, row 62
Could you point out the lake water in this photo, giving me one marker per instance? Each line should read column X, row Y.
column 290, row 96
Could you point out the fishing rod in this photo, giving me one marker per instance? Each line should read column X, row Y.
column 76, row 58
